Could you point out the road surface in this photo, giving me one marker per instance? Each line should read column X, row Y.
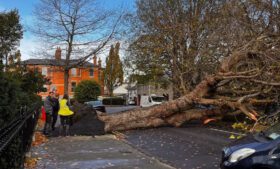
column 191, row 147
column 115, row 109
column 194, row 146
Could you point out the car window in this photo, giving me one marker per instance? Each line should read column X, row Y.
column 157, row 99
column 273, row 136
column 95, row 103
column 273, row 132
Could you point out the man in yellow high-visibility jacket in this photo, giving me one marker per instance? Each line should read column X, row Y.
column 65, row 115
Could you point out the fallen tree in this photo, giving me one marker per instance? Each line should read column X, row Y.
column 247, row 82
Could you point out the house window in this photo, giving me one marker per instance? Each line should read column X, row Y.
column 53, row 88
column 44, row 71
column 91, row 72
column 74, row 72
column 45, row 88
column 73, row 86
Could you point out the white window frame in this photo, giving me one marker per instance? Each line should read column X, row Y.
column 74, row 72
column 45, row 71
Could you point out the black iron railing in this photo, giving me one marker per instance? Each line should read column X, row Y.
column 16, row 137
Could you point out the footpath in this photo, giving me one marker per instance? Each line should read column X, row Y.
column 86, row 152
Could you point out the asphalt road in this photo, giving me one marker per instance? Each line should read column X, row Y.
column 191, row 147
column 115, row 109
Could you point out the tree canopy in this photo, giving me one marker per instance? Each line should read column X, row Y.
column 113, row 73
column 10, row 33
column 186, row 40
column 87, row 90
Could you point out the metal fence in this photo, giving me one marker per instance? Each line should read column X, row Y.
column 16, row 137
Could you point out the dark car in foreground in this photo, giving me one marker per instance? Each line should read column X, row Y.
column 97, row 105
column 255, row 151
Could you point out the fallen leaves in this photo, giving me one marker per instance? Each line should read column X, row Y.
column 30, row 163
column 39, row 139
column 241, row 126
column 235, row 137
column 40, row 124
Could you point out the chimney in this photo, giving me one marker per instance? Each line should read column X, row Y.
column 57, row 53
column 99, row 62
column 94, row 60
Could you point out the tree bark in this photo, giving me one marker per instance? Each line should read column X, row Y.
column 66, row 79
column 155, row 116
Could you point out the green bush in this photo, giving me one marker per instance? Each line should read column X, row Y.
column 9, row 98
column 114, row 101
column 87, row 90
column 18, row 88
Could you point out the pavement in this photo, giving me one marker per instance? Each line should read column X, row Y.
column 85, row 152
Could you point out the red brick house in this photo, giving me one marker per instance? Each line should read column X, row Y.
column 52, row 69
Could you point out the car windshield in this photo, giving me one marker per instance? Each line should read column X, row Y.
column 273, row 132
column 157, row 99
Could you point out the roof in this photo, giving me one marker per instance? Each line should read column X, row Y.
column 120, row 90
column 55, row 62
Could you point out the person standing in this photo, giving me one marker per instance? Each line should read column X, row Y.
column 55, row 110
column 65, row 115
column 48, row 104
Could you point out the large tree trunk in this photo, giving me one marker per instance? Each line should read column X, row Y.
column 236, row 88
column 155, row 116
column 66, row 81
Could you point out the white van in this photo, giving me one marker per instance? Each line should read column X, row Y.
column 147, row 101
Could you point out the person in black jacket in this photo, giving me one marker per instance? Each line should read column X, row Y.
column 55, row 110
column 48, row 105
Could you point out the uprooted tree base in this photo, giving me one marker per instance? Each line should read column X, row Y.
column 246, row 83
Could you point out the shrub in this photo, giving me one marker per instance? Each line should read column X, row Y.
column 113, row 101
column 87, row 90
column 18, row 88
column 9, row 98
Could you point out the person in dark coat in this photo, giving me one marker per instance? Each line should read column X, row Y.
column 55, row 110
column 48, row 105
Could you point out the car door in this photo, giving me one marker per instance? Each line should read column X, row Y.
column 274, row 156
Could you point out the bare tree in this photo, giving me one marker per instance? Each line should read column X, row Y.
column 80, row 27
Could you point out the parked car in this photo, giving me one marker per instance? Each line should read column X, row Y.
column 147, row 101
column 131, row 102
column 97, row 105
column 255, row 151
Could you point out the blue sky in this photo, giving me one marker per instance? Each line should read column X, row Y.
column 25, row 7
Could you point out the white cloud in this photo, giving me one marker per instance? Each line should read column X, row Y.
column 28, row 47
